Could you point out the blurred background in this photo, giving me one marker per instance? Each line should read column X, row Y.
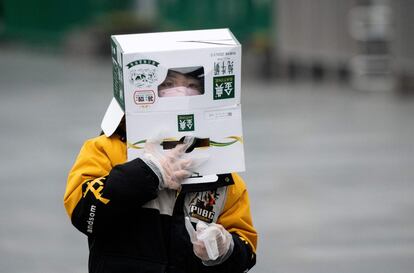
column 328, row 116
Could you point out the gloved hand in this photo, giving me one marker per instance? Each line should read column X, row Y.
column 212, row 243
column 170, row 166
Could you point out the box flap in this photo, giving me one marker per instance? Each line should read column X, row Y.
column 176, row 40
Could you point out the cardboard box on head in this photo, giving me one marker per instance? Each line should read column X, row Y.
column 175, row 84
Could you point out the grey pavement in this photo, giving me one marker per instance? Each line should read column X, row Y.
column 330, row 171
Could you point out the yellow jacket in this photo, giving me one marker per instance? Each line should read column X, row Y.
column 102, row 189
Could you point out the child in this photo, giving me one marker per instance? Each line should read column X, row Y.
column 134, row 212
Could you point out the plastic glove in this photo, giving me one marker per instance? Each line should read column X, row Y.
column 212, row 243
column 170, row 166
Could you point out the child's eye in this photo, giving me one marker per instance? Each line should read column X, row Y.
column 167, row 84
column 194, row 86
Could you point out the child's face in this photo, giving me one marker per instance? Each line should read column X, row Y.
column 177, row 84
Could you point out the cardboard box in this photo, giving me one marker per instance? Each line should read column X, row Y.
column 208, row 61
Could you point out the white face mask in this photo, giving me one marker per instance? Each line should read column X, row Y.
column 179, row 91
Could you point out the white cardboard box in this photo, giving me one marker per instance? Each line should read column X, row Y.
column 141, row 63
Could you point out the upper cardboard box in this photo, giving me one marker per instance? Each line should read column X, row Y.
column 142, row 62
column 185, row 83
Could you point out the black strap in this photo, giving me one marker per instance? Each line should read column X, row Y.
column 198, row 142
column 223, row 180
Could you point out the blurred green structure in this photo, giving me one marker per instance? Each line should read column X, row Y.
column 50, row 21
column 250, row 20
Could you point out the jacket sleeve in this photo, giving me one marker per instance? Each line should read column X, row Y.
column 236, row 219
column 97, row 187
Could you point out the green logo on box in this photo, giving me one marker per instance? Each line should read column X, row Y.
column 185, row 123
column 223, row 87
